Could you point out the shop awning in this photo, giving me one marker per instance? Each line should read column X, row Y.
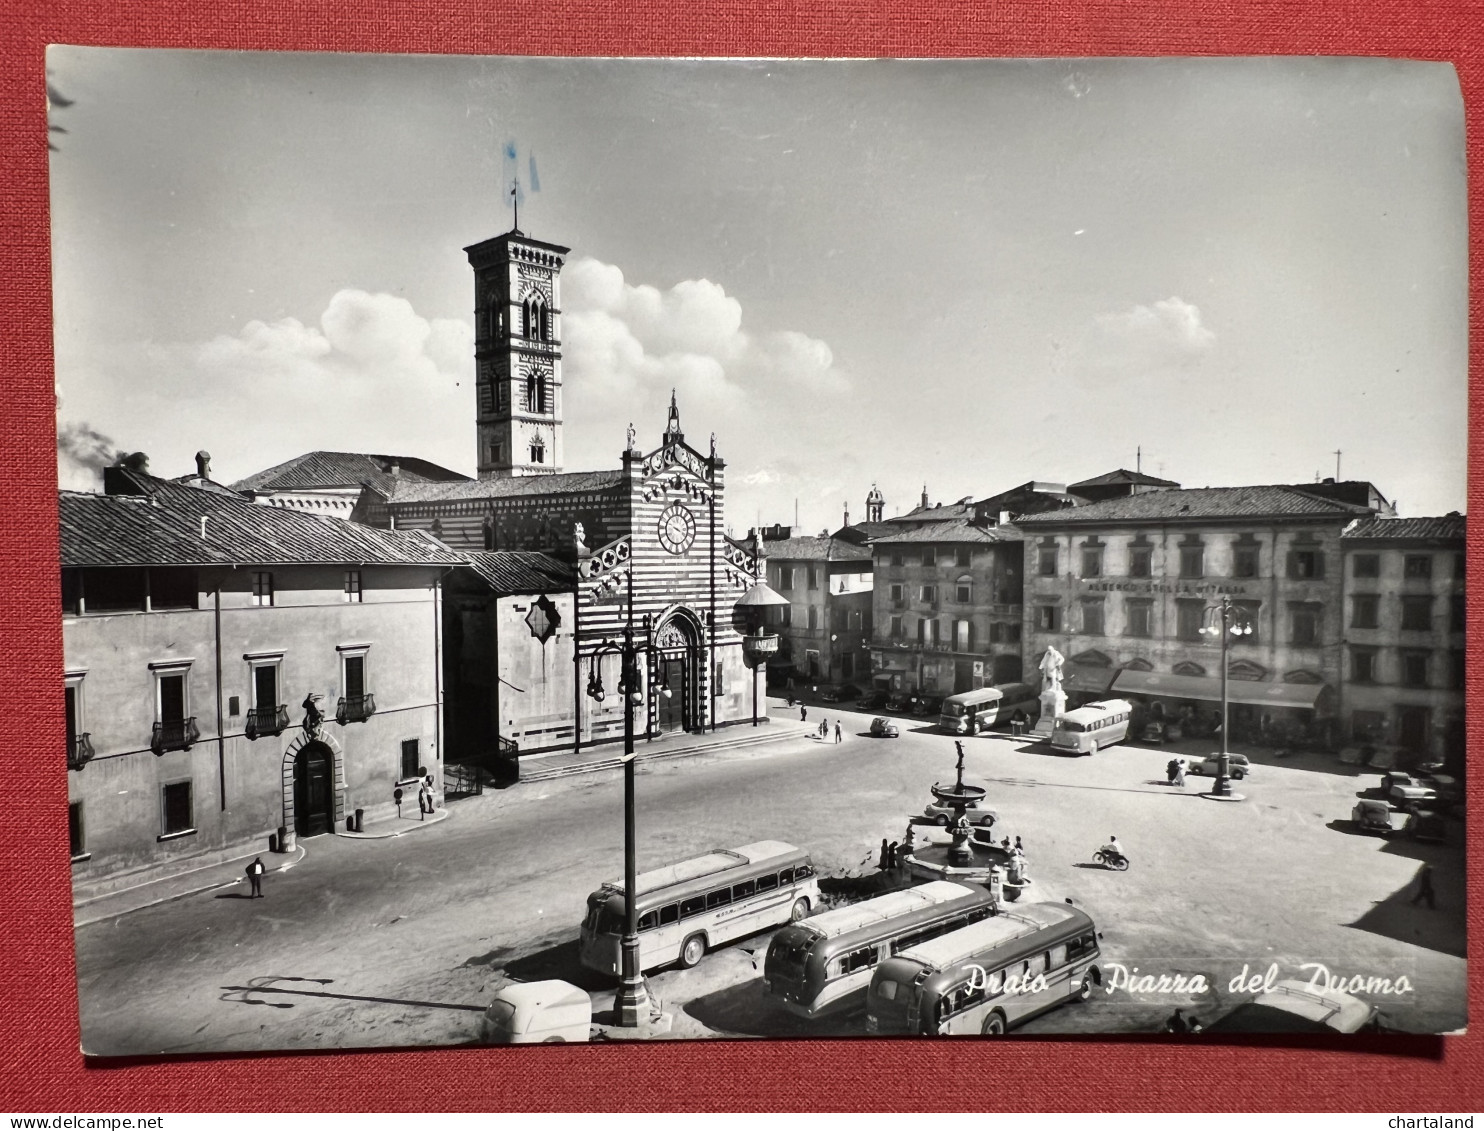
column 1087, row 678
column 1258, row 694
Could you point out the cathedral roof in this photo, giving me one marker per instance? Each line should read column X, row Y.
column 563, row 483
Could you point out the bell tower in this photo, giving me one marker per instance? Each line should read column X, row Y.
column 875, row 504
column 518, row 355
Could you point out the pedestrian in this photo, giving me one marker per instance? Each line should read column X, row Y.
column 839, row 734
column 824, row 728
column 1177, row 1023
column 1019, row 847
column 1172, row 767
column 1180, row 772
column 881, row 861
column 1017, row 722
column 891, row 857
column 255, row 872
column 422, row 800
column 803, row 713
column 1424, row 888
column 909, row 841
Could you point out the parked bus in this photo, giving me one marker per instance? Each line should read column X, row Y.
column 971, row 711
column 824, row 964
column 989, row 977
column 688, row 907
column 1088, row 729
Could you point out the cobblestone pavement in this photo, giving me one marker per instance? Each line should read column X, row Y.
column 402, row 941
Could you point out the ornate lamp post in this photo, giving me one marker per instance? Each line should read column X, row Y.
column 1224, row 620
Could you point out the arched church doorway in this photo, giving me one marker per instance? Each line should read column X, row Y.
column 678, row 649
column 314, row 790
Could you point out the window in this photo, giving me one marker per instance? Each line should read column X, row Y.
column 1092, row 617
column 353, row 586
column 72, row 592
column 1192, row 561
column 1047, row 565
column 1048, row 618
column 1305, row 564
column 410, row 760
column 898, row 558
column 1417, row 566
column 1366, row 565
column 486, row 400
column 1414, row 669
column 1305, row 619
column 1457, row 613
column 896, row 593
column 813, row 577
column 1416, row 614
column 963, row 591
column 963, row 635
column 786, row 615
column 862, row 959
column 1139, row 561
column 692, row 906
column 113, row 590
column 768, row 882
column 962, row 557
column 77, row 842
column 721, row 897
column 896, row 628
column 356, row 703
column 649, row 921
column 1092, row 561
column 1363, row 665
column 172, row 589
column 1363, row 611
column 262, row 589
column 1139, row 618
column 265, row 687
column 1189, row 618
column 743, row 890
column 929, row 556
column 930, row 594
column 176, row 815
column 79, row 746
column 1245, row 561
column 170, row 697
column 538, row 452
column 813, row 617
column 785, row 577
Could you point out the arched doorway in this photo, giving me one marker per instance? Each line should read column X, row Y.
column 676, row 691
column 314, row 790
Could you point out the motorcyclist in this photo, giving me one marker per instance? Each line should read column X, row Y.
column 1113, row 849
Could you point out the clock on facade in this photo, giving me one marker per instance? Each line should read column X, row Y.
column 677, row 528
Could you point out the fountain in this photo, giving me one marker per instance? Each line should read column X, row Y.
column 971, row 853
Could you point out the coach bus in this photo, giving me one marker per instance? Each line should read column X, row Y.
column 824, row 964
column 688, row 907
column 989, row 977
column 972, row 711
column 1088, row 729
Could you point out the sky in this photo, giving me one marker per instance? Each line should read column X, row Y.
column 955, row 276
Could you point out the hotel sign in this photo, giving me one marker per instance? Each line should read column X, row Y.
column 1210, row 589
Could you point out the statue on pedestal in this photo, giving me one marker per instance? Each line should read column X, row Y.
column 1053, row 698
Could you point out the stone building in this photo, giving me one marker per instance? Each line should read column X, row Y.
column 1123, row 588
column 1403, row 592
column 197, row 628
column 826, row 626
column 334, row 482
column 948, row 612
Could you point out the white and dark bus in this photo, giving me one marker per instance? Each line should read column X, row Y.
column 690, row 906
column 824, row 964
column 988, row 977
column 1088, row 729
column 971, row 711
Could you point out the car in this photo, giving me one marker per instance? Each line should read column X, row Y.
column 1449, row 789
column 1426, row 824
column 944, row 814
column 840, row 692
column 1295, row 1006
column 927, row 705
column 1237, row 766
column 885, row 728
column 1403, row 790
column 1373, row 815
column 899, row 701
column 871, row 699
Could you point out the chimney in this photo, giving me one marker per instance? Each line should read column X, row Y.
column 847, row 514
column 396, row 469
column 924, row 497
column 203, row 465
column 203, row 517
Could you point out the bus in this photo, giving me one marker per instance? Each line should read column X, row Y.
column 688, row 907
column 824, row 964
column 971, row 711
column 986, row 978
column 1088, row 729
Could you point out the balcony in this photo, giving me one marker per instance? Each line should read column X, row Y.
column 263, row 721
column 178, row 734
column 355, row 708
column 79, row 751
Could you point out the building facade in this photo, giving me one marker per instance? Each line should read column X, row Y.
column 198, row 629
column 1404, row 634
column 948, row 607
column 826, row 626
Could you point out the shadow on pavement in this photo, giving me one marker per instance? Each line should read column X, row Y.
column 559, row 961
column 232, row 895
column 254, row 992
column 1440, row 926
column 748, row 1011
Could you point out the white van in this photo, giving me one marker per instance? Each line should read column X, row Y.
column 535, row 1013
column 1088, row 729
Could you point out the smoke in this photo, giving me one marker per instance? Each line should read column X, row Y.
column 82, row 454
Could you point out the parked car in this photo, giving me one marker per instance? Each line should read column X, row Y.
column 1291, row 1006
column 927, row 705
column 944, row 814
column 1374, row 815
column 1426, row 824
column 1449, row 790
column 885, row 728
column 1403, row 790
column 529, row 1013
column 1237, row 766
column 899, row 701
column 871, row 699
column 840, row 692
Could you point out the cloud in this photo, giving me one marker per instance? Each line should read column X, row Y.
column 1168, row 330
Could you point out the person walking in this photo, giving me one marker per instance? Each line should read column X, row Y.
column 1424, row 888
column 255, row 872
column 1172, row 767
column 803, row 713
column 839, row 734
column 891, row 857
column 422, row 800
column 1019, row 848
column 881, row 863
column 1180, row 772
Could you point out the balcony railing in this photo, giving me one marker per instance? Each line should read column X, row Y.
column 79, row 751
column 355, row 708
column 263, row 721
column 177, row 734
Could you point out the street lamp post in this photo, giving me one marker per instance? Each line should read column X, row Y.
column 1225, row 621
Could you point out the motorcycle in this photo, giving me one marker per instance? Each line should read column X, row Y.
column 1111, row 858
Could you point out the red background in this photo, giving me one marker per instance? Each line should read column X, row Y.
column 40, row 1067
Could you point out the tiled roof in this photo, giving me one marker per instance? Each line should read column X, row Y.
column 565, row 483
column 522, row 571
column 815, row 549
column 1122, row 475
column 1197, row 503
column 1449, row 527
column 346, row 469
column 862, row 532
column 163, row 527
column 953, row 532
column 937, row 513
